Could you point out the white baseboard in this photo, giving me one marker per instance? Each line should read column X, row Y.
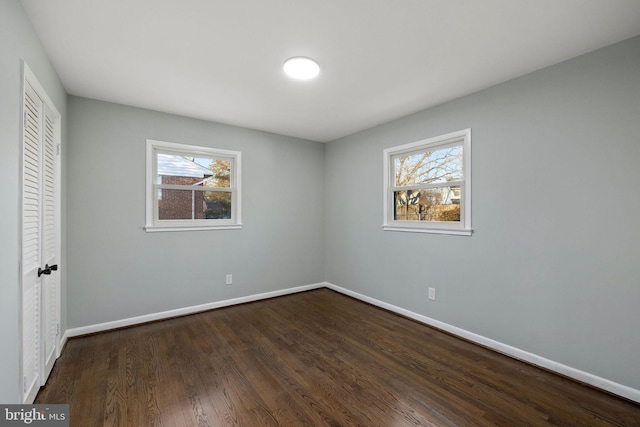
column 585, row 377
column 63, row 342
column 568, row 371
column 100, row 327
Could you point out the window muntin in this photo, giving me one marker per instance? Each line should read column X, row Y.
column 190, row 187
column 428, row 185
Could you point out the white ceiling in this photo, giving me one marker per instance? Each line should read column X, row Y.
column 221, row 60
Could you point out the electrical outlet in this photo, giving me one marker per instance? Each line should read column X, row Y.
column 432, row 294
column 229, row 279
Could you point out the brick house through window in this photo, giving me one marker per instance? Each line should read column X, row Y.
column 183, row 203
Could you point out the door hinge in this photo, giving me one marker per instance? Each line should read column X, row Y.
column 25, row 119
column 58, row 330
column 58, row 149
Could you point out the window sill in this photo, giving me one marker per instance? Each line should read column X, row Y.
column 160, row 228
column 451, row 231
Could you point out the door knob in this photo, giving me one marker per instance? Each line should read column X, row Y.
column 47, row 269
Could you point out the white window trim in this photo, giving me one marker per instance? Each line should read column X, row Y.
column 461, row 229
column 153, row 224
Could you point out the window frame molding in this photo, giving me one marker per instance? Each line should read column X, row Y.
column 153, row 224
column 463, row 228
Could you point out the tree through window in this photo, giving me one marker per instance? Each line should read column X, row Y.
column 436, row 166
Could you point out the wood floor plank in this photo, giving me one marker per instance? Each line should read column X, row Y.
column 316, row 358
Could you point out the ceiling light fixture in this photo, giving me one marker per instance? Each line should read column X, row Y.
column 302, row 68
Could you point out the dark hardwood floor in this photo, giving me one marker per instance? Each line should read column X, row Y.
column 316, row 358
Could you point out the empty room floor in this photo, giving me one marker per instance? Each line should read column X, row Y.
column 315, row 358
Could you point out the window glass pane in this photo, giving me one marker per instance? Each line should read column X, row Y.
column 221, row 169
column 193, row 204
column 434, row 166
column 217, row 205
column 174, row 169
column 433, row 204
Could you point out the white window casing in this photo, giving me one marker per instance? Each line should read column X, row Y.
column 178, row 160
column 451, row 189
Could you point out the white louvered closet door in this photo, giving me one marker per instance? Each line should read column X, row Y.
column 40, row 225
column 31, row 232
column 49, row 282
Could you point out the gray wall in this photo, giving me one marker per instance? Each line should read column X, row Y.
column 117, row 270
column 17, row 41
column 553, row 267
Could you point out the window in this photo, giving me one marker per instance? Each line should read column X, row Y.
column 427, row 185
column 192, row 188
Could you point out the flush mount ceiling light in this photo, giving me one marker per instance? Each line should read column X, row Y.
column 302, row 68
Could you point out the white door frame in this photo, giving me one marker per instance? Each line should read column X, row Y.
column 44, row 368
